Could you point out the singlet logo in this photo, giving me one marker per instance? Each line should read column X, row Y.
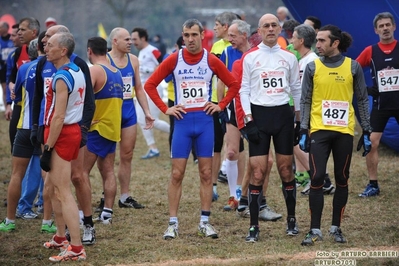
column 186, row 71
column 201, row 71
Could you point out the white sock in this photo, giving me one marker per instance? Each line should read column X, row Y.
column 81, row 215
column 174, row 220
column 9, row 221
column 223, row 167
column 48, row 222
column 124, row 197
column 232, row 174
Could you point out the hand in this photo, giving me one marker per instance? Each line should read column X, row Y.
column 252, row 132
column 296, row 132
column 8, row 112
column 83, row 132
column 364, row 142
column 33, row 135
column 177, row 111
column 45, row 160
column 373, row 91
column 210, row 108
column 223, row 120
column 304, row 141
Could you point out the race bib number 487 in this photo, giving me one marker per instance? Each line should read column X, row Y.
column 335, row 113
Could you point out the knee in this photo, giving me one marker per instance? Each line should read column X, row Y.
column 232, row 154
column 126, row 156
column 286, row 173
column 258, row 176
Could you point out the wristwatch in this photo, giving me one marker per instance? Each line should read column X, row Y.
column 248, row 118
column 47, row 147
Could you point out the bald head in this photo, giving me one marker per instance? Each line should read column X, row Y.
column 120, row 40
column 267, row 17
column 54, row 30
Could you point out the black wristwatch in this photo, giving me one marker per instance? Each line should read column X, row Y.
column 47, row 147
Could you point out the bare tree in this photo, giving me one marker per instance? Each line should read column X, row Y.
column 121, row 8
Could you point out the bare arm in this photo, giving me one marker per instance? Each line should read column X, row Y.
column 57, row 122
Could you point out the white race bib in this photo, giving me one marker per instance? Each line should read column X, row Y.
column 194, row 93
column 388, row 80
column 127, row 88
column 272, row 82
column 335, row 113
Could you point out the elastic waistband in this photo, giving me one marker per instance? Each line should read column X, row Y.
column 197, row 109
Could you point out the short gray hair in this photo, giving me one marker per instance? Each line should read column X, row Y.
column 189, row 23
column 226, row 18
column 67, row 41
column 381, row 16
column 307, row 33
column 242, row 26
column 32, row 49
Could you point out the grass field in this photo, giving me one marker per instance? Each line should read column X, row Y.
column 135, row 237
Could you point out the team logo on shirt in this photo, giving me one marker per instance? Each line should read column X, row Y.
column 283, row 63
column 263, row 75
column 186, row 71
column 201, row 71
column 184, row 85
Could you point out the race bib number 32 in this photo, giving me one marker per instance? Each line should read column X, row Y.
column 335, row 113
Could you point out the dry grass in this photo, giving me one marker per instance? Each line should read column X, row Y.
column 135, row 237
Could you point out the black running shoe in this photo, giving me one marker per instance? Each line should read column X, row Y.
column 253, row 234
column 130, row 203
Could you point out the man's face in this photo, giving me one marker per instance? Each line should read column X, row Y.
column 324, row 44
column 14, row 38
column 25, row 34
column 219, row 29
column 269, row 29
column 296, row 42
column 385, row 29
column 50, row 32
column 122, row 41
column 237, row 39
column 193, row 39
column 53, row 50
column 137, row 41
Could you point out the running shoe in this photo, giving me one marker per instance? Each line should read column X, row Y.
column 215, row 196
column 306, row 190
column 336, row 233
column 222, row 177
column 267, row 214
column 49, row 228
column 89, row 235
column 150, row 154
column 130, row 203
column 7, row 227
column 302, row 178
column 54, row 245
column 243, row 211
column 253, row 234
column 29, row 215
column 40, row 209
column 238, row 193
column 328, row 189
column 172, row 232
column 232, row 204
column 311, row 237
column 103, row 220
column 370, row 191
column 69, row 255
column 292, row 227
column 206, row 229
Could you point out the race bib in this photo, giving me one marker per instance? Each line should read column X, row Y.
column 272, row 82
column 194, row 93
column 335, row 113
column 388, row 80
column 128, row 88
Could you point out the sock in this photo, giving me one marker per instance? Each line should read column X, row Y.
column 232, row 174
column 48, row 222
column 124, row 197
column 106, row 213
column 243, row 203
column 88, row 220
column 289, row 192
column 59, row 239
column 76, row 249
column 223, row 167
column 205, row 216
column 339, row 202
column 254, row 203
column 263, row 203
column 174, row 220
column 374, row 183
column 80, row 214
column 215, row 188
column 8, row 221
column 238, row 192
